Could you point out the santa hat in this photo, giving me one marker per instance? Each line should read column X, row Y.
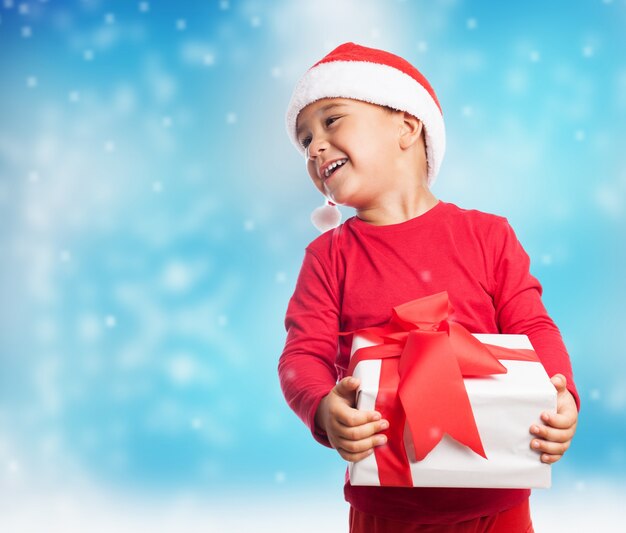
column 377, row 77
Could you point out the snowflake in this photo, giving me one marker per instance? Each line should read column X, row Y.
column 182, row 369
column 144, row 7
column 31, row 82
column 88, row 55
column 422, row 47
column 472, row 23
column 27, row 32
column 177, row 277
column 109, row 18
column 181, row 24
column 467, row 111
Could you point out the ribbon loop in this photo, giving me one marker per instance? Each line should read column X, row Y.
column 434, row 356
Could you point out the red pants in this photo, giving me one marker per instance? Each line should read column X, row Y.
column 515, row 520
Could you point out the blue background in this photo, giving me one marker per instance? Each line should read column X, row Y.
column 153, row 217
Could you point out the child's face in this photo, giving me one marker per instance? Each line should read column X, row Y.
column 351, row 148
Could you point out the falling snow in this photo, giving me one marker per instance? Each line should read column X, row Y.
column 154, row 218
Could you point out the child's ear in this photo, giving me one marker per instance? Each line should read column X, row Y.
column 410, row 130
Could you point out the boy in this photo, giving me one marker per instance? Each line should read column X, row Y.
column 372, row 132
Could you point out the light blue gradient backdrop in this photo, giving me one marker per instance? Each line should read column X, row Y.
column 154, row 216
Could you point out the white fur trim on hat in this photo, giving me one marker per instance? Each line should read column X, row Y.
column 377, row 84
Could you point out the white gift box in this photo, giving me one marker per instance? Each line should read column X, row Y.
column 504, row 407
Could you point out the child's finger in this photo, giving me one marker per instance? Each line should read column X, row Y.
column 363, row 431
column 560, row 382
column 347, row 387
column 354, row 457
column 354, row 417
column 550, row 448
column 563, row 420
column 360, row 446
column 550, row 459
column 347, row 416
column 551, row 434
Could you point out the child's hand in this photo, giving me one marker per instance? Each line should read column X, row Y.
column 556, row 436
column 350, row 431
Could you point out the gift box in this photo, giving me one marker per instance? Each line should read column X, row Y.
column 459, row 405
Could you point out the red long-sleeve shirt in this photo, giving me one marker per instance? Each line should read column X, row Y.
column 352, row 276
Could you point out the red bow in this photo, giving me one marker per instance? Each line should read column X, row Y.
column 425, row 357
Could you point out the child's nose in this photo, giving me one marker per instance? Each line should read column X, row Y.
column 316, row 147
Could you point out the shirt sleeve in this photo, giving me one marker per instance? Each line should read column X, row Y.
column 519, row 308
column 306, row 367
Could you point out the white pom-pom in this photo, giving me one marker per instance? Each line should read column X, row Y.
column 326, row 217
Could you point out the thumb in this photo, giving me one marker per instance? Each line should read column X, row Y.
column 347, row 387
column 560, row 382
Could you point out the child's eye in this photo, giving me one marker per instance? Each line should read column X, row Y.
column 305, row 142
column 330, row 120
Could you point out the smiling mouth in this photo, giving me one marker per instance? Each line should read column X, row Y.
column 330, row 169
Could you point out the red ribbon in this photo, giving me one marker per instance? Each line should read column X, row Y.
column 425, row 357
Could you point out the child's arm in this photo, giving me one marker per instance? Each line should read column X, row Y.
column 517, row 298
column 351, row 432
column 556, row 435
column 519, row 308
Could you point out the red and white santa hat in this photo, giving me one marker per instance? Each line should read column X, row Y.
column 377, row 77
